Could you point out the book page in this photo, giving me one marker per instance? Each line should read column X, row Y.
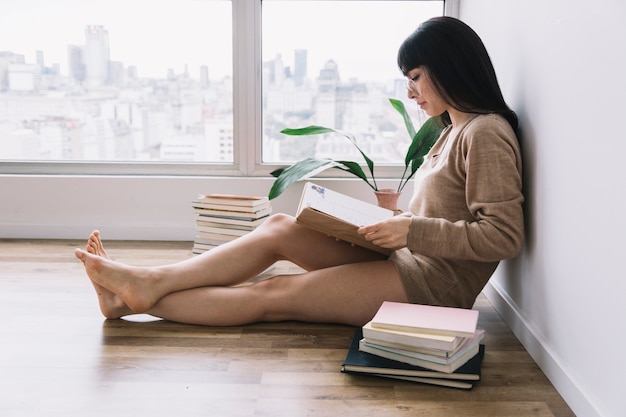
column 341, row 206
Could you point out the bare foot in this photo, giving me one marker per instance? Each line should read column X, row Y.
column 95, row 246
column 118, row 285
column 111, row 306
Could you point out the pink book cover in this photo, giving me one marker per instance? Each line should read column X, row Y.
column 448, row 321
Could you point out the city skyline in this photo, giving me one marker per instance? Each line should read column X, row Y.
column 93, row 104
column 185, row 33
column 135, row 39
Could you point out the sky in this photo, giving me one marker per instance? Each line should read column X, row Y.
column 156, row 35
column 362, row 39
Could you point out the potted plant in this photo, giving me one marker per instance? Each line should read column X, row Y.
column 421, row 142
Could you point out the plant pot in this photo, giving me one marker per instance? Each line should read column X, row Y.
column 388, row 198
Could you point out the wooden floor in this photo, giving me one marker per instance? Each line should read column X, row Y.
column 59, row 357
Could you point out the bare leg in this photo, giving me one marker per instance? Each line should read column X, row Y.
column 278, row 238
column 349, row 294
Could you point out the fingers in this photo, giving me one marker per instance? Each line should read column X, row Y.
column 371, row 228
column 387, row 234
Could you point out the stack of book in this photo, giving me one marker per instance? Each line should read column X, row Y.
column 221, row 218
column 420, row 343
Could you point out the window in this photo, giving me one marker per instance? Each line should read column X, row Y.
column 119, row 81
column 333, row 64
column 182, row 87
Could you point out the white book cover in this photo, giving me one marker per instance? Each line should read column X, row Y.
column 339, row 215
column 448, row 321
column 350, row 210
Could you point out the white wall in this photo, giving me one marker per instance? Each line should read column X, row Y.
column 150, row 208
column 562, row 66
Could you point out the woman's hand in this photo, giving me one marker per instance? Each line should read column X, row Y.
column 391, row 233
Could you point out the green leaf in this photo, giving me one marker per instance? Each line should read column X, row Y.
column 309, row 130
column 423, row 140
column 368, row 161
column 399, row 106
column 316, row 130
column 285, row 177
column 277, row 172
column 306, row 168
column 354, row 169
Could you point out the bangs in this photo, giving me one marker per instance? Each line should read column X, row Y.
column 409, row 57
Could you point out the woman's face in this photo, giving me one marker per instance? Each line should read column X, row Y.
column 421, row 89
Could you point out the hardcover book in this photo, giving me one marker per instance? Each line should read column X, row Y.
column 202, row 218
column 427, row 342
column 233, row 200
column 339, row 215
column 446, row 321
column 200, row 208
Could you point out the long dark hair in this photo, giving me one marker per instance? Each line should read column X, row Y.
column 458, row 65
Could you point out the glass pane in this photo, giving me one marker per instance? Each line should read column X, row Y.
column 132, row 80
column 333, row 64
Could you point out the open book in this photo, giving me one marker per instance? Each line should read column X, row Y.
column 339, row 215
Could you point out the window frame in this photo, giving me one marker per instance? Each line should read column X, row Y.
column 247, row 119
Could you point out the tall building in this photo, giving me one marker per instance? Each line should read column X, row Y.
column 328, row 79
column 300, row 66
column 76, row 63
column 117, row 74
column 97, row 56
column 274, row 71
column 6, row 59
column 326, row 109
column 204, row 77
column 23, row 77
column 40, row 59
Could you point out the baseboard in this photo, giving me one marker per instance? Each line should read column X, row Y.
column 539, row 349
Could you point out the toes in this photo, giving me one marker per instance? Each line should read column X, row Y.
column 80, row 254
column 94, row 244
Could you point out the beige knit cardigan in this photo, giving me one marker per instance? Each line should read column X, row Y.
column 466, row 213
